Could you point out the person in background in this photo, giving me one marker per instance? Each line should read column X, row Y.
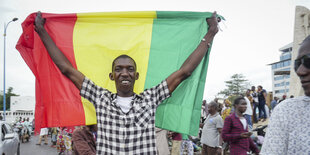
column 211, row 131
column 227, row 110
column 274, row 102
column 282, row 99
column 249, row 111
column 255, row 103
column 54, row 136
column 43, row 134
column 187, row 144
column 162, row 142
column 176, row 143
column 288, row 127
column 235, row 130
column 292, row 96
column 83, row 140
column 204, row 114
column 262, row 96
column 64, row 141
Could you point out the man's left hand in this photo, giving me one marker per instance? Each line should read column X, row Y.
column 213, row 23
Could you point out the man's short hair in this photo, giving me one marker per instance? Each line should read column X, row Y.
column 237, row 100
column 261, row 87
column 124, row 56
column 214, row 104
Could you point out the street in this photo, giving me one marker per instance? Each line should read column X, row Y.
column 30, row 148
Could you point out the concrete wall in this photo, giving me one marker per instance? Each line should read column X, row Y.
column 22, row 103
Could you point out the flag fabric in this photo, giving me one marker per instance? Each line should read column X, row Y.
column 159, row 42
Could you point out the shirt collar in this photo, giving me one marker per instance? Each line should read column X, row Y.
column 135, row 97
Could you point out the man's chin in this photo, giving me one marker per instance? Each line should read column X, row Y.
column 307, row 92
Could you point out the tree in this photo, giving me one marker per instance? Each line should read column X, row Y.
column 8, row 95
column 236, row 86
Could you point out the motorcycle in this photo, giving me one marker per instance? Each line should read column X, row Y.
column 25, row 136
column 259, row 139
column 23, row 132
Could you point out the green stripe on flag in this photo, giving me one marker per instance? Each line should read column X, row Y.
column 173, row 40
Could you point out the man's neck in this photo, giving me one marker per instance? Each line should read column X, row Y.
column 125, row 94
column 213, row 113
column 239, row 114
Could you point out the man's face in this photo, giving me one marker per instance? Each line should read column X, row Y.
column 253, row 88
column 211, row 109
column 259, row 88
column 124, row 74
column 302, row 71
column 247, row 93
column 241, row 106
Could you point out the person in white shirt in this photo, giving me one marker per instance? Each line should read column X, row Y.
column 248, row 113
column 288, row 128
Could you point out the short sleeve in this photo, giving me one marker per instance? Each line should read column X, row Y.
column 158, row 93
column 92, row 92
column 219, row 122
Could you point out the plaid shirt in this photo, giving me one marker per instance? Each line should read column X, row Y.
column 231, row 133
column 125, row 133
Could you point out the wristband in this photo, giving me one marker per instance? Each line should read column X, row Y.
column 204, row 40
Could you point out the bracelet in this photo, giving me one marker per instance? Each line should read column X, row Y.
column 204, row 40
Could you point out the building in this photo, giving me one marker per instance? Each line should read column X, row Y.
column 284, row 79
column 21, row 106
column 280, row 72
column 301, row 31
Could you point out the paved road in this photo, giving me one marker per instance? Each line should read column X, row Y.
column 30, row 148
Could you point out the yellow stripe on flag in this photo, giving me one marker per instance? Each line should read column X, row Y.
column 97, row 41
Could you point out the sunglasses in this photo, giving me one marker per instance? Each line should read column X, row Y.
column 305, row 60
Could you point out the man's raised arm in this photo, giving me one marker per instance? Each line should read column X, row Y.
column 57, row 56
column 195, row 58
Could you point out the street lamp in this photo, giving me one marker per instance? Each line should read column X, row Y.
column 4, row 35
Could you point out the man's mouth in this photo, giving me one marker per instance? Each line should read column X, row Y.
column 125, row 82
column 304, row 83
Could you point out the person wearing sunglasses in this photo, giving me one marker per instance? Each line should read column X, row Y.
column 288, row 130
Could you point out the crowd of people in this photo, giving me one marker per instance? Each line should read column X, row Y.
column 77, row 140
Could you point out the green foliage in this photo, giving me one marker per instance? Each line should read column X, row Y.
column 8, row 95
column 236, row 86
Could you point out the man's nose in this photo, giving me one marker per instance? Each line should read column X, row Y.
column 124, row 72
column 302, row 70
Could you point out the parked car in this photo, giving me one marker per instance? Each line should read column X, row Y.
column 9, row 141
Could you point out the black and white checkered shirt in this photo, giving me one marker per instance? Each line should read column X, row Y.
column 125, row 133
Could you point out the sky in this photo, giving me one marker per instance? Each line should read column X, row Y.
column 250, row 39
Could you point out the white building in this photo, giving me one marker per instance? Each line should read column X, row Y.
column 280, row 72
column 21, row 106
column 301, row 31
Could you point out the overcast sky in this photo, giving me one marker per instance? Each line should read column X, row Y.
column 252, row 35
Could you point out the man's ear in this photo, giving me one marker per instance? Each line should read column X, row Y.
column 137, row 76
column 111, row 76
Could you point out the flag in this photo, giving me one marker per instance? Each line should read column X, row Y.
column 159, row 42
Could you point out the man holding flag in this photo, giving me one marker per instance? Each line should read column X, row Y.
column 125, row 120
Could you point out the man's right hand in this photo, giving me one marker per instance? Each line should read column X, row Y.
column 246, row 134
column 39, row 22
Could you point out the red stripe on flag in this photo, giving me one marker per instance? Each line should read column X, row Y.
column 58, row 102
